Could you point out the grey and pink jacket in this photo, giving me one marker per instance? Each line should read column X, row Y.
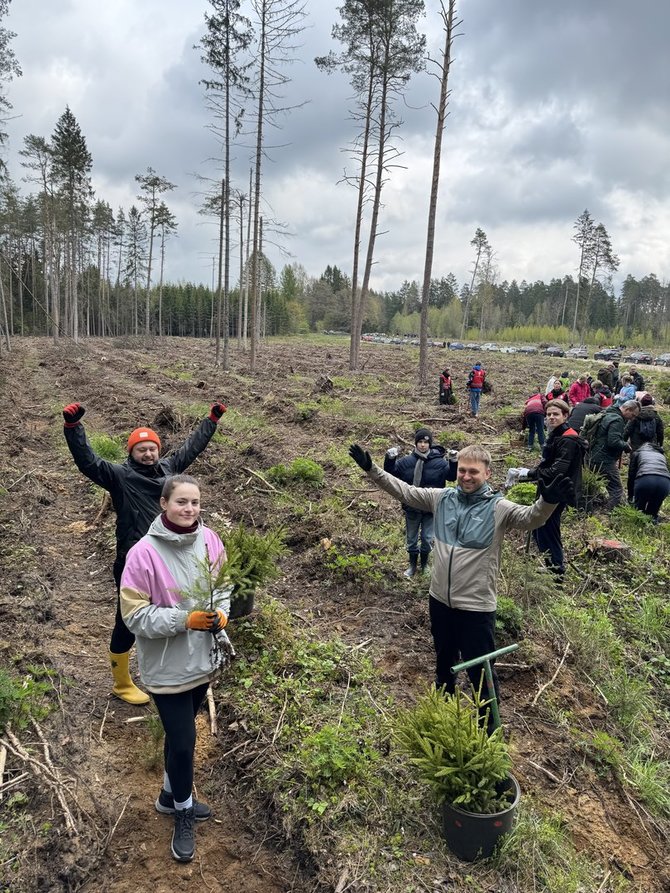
column 160, row 570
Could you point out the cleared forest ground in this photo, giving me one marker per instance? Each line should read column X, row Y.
column 589, row 808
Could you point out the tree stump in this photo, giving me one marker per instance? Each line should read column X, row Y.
column 609, row 550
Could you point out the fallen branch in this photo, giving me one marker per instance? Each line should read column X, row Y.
column 260, row 477
column 546, row 685
column 546, row 771
column 3, row 760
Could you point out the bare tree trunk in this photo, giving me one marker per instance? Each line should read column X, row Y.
column 219, row 288
column 448, row 20
column 239, row 296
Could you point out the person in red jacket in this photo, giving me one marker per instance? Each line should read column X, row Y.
column 533, row 418
column 579, row 390
column 476, row 380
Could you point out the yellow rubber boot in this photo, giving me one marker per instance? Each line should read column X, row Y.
column 124, row 687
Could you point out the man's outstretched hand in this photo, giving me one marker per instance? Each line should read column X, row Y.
column 73, row 413
column 561, row 489
column 360, row 456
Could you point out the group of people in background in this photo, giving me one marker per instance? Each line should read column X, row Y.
column 476, row 384
column 629, row 424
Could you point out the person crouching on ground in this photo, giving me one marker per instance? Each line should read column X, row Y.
column 563, row 454
column 135, row 488
column 175, row 640
column 424, row 467
column 471, row 521
column 648, row 476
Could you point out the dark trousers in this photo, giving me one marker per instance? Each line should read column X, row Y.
column 460, row 636
column 649, row 492
column 177, row 713
column 122, row 639
column 548, row 539
column 610, row 471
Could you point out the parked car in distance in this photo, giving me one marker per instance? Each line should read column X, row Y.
column 580, row 353
column 456, row 345
column 663, row 359
column 639, row 356
column 472, row 345
column 490, row 345
column 607, row 353
column 509, row 350
column 527, row 349
column 554, row 352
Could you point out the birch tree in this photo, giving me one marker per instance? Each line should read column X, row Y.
column 152, row 187
column 481, row 245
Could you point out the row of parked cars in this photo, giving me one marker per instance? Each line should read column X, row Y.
column 580, row 353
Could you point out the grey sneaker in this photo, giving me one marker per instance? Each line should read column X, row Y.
column 183, row 836
column 165, row 805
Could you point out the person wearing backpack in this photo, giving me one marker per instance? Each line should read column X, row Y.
column 607, row 444
column 648, row 478
column 647, row 427
column 563, row 455
column 476, row 380
column 587, row 407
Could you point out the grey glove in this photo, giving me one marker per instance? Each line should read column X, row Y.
column 392, row 453
column 452, row 455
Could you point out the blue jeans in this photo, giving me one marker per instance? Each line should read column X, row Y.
column 535, row 422
column 475, row 394
column 415, row 522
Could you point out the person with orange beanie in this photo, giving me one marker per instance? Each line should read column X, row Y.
column 135, row 488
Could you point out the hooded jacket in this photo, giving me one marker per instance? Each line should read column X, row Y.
column 135, row 488
column 578, row 391
column 609, row 443
column 159, row 570
column 563, row 454
column 468, row 534
column 632, row 430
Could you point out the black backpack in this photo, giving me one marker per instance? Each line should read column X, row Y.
column 648, row 429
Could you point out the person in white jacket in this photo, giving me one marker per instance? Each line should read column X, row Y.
column 165, row 575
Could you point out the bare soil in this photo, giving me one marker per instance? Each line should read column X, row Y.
column 57, row 602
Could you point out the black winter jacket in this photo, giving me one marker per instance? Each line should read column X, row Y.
column 581, row 410
column 632, row 430
column 135, row 489
column 436, row 469
column 563, row 453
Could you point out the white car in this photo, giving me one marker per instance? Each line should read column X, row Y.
column 490, row 345
column 509, row 350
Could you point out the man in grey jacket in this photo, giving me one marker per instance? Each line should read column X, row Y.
column 470, row 523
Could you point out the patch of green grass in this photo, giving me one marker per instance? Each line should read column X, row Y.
column 24, row 696
column 300, row 471
column 113, row 449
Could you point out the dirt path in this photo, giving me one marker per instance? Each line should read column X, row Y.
column 54, row 511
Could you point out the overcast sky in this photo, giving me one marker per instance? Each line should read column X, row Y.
column 555, row 107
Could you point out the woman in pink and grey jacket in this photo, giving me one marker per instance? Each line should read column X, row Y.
column 176, row 648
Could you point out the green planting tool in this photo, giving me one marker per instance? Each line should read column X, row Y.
column 488, row 672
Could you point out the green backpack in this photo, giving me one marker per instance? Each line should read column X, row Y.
column 591, row 427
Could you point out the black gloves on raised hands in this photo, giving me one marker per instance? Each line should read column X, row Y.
column 561, row 489
column 218, row 410
column 72, row 413
column 360, row 456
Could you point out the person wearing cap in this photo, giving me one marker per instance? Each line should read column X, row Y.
column 135, row 488
column 426, row 466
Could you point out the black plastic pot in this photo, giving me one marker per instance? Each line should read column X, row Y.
column 472, row 835
column 240, row 606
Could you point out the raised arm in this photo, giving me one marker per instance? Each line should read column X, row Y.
column 100, row 471
column 422, row 498
column 196, row 443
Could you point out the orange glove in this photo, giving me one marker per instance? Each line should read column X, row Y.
column 220, row 621
column 208, row 621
